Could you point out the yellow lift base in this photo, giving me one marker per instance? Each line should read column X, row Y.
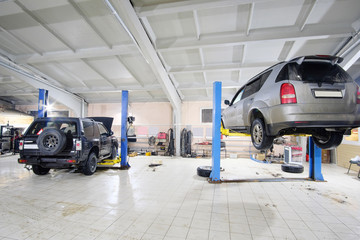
column 109, row 162
column 226, row 132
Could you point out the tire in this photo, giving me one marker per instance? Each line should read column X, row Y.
column 113, row 152
column 39, row 170
column 51, row 141
column 331, row 141
column 260, row 140
column 292, row 168
column 204, row 171
column 91, row 164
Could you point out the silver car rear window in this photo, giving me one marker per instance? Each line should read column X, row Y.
column 314, row 72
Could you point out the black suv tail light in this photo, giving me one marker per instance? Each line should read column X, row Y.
column 287, row 93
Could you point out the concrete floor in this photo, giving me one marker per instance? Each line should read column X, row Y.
column 172, row 202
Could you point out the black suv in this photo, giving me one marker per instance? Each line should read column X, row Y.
column 67, row 142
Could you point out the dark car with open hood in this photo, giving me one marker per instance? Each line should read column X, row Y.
column 66, row 143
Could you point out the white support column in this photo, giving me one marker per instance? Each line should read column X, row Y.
column 177, row 124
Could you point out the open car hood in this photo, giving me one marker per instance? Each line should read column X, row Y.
column 107, row 121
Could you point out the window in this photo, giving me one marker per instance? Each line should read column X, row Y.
column 237, row 96
column 255, row 85
column 206, row 115
column 313, row 72
column 251, row 88
column 102, row 129
column 88, row 128
column 66, row 126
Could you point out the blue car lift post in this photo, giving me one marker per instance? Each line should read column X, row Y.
column 314, row 151
column 110, row 163
column 43, row 102
column 124, row 141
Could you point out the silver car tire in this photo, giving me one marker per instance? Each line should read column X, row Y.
column 260, row 139
column 333, row 140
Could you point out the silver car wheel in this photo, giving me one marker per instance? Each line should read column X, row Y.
column 258, row 134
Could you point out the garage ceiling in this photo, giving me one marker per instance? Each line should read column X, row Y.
column 162, row 50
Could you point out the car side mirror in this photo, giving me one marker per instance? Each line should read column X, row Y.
column 227, row 102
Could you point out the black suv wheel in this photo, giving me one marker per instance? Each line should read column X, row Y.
column 113, row 152
column 90, row 166
column 51, row 141
column 39, row 170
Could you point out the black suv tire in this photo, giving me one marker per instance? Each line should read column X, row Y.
column 90, row 165
column 51, row 141
column 39, row 170
column 113, row 152
column 260, row 140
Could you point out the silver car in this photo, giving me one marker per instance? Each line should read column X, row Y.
column 307, row 95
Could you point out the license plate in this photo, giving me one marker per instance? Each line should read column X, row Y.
column 328, row 94
column 30, row 146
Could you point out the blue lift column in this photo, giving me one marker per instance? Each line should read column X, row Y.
column 314, row 161
column 43, row 102
column 216, row 134
column 124, row 142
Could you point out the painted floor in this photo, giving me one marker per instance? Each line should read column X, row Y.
column 171, row 202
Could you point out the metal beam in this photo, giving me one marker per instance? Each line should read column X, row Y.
column 93, row 27
column 197, row 25
column 70, row 100
column 184, row 6
column 13, row 93
column 125, row 49
column 85, row 61
column 20, row 41
column 133, row 24
column 305, row 12
column 320, row 31
column 116, row 89
column 218, row 67
column 251, row 15
column 38, row 20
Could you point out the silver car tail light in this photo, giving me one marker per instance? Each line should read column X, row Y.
column 287, row 93
column 358, row 96
column 78, row 145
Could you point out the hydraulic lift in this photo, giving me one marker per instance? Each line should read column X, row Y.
column 217, row 129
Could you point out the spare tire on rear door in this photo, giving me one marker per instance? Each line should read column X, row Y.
column 51, row 141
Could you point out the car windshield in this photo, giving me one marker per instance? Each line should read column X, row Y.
column 314, row 72
column 68, row 127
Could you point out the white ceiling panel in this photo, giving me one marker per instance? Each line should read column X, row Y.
column 173, row 25
column 276, row 13
column 213, row 20
column 109, row 67
column 40, row 39
column 259, row 52
column 78, row 34
column 190, row 77
column 182, row 58
column 217, row 55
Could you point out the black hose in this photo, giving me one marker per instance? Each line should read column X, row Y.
column 171, row 148
column 183, row 142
